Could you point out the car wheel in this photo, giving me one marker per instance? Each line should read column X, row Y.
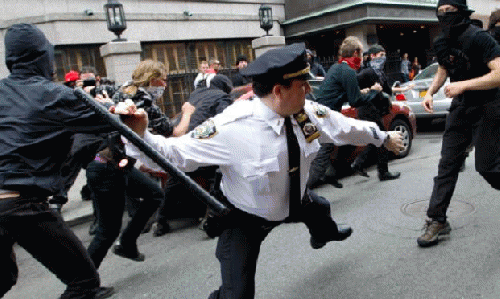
column 403, row 127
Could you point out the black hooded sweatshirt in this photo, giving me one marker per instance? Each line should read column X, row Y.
column 37, row 116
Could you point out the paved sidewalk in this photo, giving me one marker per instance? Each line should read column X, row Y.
column 77, row 211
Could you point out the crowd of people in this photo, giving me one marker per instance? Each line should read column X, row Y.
column 224, row 146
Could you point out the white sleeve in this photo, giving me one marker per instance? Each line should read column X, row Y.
column 342, row 130
column 186, row 153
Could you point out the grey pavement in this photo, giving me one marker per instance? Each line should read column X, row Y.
column 76, row 211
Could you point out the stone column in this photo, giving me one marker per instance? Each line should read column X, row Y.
column 121, row 58
column 268, row 42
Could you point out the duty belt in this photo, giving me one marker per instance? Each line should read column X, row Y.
column 8, row 194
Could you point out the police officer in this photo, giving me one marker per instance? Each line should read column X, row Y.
column 471, row 58
column 37, row 120
column 264, row 148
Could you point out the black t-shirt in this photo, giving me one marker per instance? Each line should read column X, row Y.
column 472, row 50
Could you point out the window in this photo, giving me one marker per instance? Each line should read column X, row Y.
column 72, row 58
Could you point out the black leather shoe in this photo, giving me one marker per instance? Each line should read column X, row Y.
column 104, row 292
column 93, row 227
column 389, row 176
column 343, row 233
column 161, row 229
column 335, row 183
column 358, row 170
column 132, row 253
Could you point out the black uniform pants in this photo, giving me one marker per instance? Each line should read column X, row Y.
column 238, row 247
column 110, row 187
column 465, row 125
column 43, row 234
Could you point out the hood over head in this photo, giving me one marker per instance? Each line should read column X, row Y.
column 221, row 82
column 27, row 51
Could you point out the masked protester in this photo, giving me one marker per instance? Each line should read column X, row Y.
column 470, row 57
column 113, row 178
column 374, row 111
column 339, row 86
column 37, row 121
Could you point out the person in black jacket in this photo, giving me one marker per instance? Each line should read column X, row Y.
column 208, row 102
column 374, row 111
column 238, row 79
column 37, row 120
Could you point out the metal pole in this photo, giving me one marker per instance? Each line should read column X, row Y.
column 153, row 154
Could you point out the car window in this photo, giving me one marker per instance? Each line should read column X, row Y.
column 427, row 73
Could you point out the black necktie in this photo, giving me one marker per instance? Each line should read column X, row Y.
column 294, row 168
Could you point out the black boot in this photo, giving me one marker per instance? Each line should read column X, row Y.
column 357, row 169
column 386, row 176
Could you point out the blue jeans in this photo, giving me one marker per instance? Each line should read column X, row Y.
column 110, row 186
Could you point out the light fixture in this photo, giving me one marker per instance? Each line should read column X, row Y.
column 88, row 12
column 187, row 13
column 115, row 17
column 266, row 18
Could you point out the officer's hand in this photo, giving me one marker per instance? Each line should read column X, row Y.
column 395, row 142
column 454, row 89
column 428, row 103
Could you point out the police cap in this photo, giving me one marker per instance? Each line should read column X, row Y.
column 288, row 62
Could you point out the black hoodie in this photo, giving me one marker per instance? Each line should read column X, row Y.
column 37, row 116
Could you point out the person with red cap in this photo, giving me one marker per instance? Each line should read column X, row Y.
column 71, row 78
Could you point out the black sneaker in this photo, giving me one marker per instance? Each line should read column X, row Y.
column 389, row 176
column 128, row 253
column 161, row 229
column 104, row 292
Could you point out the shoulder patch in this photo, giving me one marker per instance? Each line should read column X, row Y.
column 320, row 110
column 206, row 130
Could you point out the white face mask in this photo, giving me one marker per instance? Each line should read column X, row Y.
column 155, row 91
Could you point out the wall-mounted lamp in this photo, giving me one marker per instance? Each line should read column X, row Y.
column 88, row 12
column 115, row 17
column 187, row 13
column 266, row 18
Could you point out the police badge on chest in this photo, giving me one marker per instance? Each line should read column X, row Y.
column 310, row 130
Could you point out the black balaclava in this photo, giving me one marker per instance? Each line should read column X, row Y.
column 454, row 23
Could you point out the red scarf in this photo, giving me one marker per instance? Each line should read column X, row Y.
column 353, row 62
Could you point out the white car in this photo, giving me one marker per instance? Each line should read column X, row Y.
column 415, row 96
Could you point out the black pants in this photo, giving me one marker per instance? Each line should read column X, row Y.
column 324, row 168
column 110, row 187
column 238, row 247
column 180, row 201
column 370, row 113
column 47, row 238
column 465, row 125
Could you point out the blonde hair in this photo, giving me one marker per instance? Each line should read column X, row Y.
column 349, row 46
column 148, row 70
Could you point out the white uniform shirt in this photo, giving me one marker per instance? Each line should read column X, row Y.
column 249, row 145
